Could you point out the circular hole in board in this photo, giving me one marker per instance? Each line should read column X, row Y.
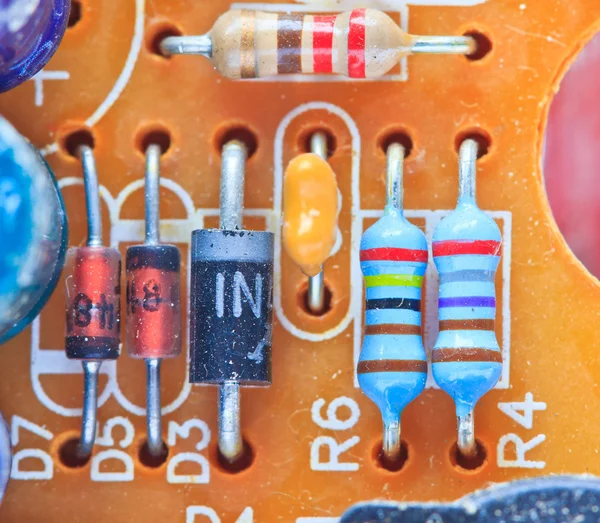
column 156, row 33
column 305, row 137
column 67, row 454
column 153, row 135
column 391, row 466
column 483, row 45
column 150, row 460
column 395, row 135
column 238, row 133
column 482, row 137
column 74, row 13
column 244, row 462
column 327, row 300
column 75, row 139
column 469, row 464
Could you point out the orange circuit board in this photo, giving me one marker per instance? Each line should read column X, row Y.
column 313, row 438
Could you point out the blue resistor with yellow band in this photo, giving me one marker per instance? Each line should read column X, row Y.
column 392, row 368
column 466, row 359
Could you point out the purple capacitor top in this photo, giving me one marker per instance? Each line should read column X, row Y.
column 30, row 31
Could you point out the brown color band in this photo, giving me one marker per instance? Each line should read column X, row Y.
column 392, row 328
column 465, row 354
column 469, row 325
column 289, row 43
column 365, row 367
column 247, row 45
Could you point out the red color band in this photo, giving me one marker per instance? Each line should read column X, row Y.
column 393, row 254
column 356, row 44
column 453, row 248
column 323, row 43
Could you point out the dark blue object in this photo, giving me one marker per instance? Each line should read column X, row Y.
column 30, row 31
column 550, row 499
column 33, row 232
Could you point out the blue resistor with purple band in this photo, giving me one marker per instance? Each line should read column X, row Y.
column 466, row 358
column 392, row 367
column 30, row 31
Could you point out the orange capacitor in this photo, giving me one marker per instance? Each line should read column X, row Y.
column 310, row 203
column 93, row 297
column 153, row 304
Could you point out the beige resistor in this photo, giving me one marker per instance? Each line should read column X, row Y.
column 362, row 43
column 248, row 44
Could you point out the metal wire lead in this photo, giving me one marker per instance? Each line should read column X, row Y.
column 467, row 169
column 443, row 45
column 392, row 444
column 394, row 176
column 152, row 207
column 153, row 414
column 91, row 369
column 316, row 283
column 92, row 195
column 152, row 197
column 466, row 435
column 233, row 167
column 200, row 44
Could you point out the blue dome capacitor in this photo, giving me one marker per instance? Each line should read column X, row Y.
column 33, row 232
column 466, row 359
column 30, row 32
column 392, row 368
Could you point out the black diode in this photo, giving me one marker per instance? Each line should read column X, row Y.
column 231, row 304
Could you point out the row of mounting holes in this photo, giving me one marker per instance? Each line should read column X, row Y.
column 162, row 136
column 159, row 31
column 459, row 462
column 67, row 455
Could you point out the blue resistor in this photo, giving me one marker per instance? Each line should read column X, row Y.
column 30, row 32
column 466, row 359
column 392, row 368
